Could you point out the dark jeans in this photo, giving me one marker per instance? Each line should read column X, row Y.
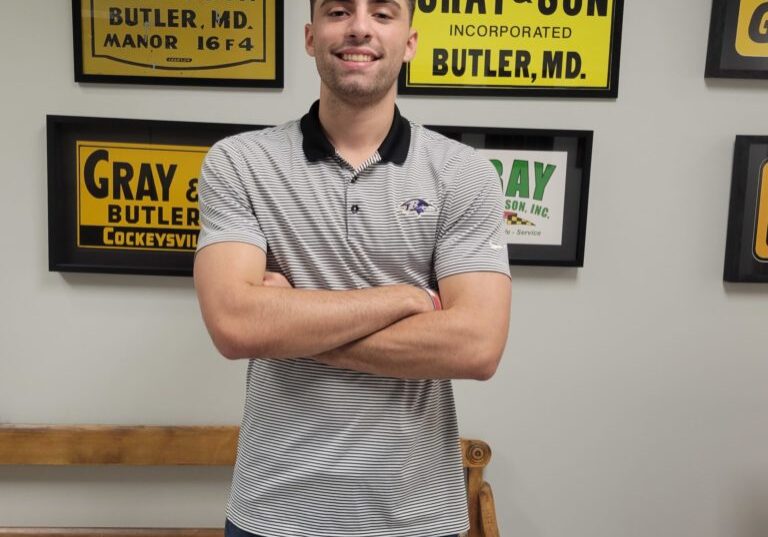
column 230, row 530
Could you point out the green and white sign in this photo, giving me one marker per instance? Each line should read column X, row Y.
column 533, row 183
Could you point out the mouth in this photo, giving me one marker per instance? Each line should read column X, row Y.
column 356, row 57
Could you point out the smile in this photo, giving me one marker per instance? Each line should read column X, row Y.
column 357, row 57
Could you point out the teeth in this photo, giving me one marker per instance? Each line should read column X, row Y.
column 356, row 58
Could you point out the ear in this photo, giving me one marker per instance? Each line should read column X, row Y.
column 410, row 45
column 309, row 39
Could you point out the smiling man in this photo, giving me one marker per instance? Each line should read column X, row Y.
column 356, row 260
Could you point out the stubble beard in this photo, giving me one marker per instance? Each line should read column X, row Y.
column 362, row 91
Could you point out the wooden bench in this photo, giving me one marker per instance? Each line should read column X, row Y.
column 194, row 445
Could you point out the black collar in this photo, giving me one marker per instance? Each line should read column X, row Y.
column 316, row 145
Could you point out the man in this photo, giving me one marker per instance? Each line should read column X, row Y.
column 323, row 247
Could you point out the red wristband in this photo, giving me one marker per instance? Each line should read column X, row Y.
column 436, row 303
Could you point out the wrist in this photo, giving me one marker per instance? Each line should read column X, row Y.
column 437, row 304
column 421, row 299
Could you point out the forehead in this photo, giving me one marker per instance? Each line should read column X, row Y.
column 402, row 4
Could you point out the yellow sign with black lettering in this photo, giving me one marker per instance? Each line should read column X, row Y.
column 761, row 232
column 497, row 46
column 138, row 196
column 182, row 40
column 752, row 28
column 738, row 39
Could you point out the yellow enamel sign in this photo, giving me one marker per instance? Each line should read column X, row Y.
column 184, row 39
column 752, row 28
column 520, row 44
column 761, row 232
column 138, row 196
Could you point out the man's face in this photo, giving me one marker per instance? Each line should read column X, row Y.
column 359, row 46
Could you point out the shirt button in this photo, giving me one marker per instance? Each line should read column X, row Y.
column 353, row 180
column 355, row 208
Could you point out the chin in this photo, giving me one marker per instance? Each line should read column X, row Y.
column 357, row 92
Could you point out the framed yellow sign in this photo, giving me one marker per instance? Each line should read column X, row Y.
column 122, row 194
column 738, row 39
column 552, row 48
column 746, row 250
column 182, row 42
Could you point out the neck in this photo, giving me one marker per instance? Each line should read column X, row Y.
column 356, row 130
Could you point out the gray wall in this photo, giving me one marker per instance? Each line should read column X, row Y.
column 632, row 398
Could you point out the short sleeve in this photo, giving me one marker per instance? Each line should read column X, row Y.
column 470, row 236
column 226, row 213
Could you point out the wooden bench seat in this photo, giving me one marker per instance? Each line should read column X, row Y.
column 180, row 445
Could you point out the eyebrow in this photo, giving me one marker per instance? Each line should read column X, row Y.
column 394, row 3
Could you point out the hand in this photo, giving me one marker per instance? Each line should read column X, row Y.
column 275, row 279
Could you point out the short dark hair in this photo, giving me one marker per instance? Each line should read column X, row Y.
column 411, row 7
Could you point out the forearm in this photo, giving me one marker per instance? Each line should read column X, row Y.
column 439, row 344
column 274, row 322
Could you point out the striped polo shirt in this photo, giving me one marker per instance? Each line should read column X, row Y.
column 323, row 451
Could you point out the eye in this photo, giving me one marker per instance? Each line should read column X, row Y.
column 382, row 15
column 337, row 12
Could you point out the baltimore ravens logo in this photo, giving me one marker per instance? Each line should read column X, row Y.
column 417, row 207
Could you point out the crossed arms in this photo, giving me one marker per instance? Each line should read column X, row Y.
column 388, row 331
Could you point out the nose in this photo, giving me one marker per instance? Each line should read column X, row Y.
column 359, row 27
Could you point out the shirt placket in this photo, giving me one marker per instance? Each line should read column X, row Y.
column 353, row 194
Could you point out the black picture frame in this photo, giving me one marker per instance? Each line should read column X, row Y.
column 577, row 144
column 82, row 75
column 746, row 249
column 729, row 31
column 74, row 246
column 610, row 91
